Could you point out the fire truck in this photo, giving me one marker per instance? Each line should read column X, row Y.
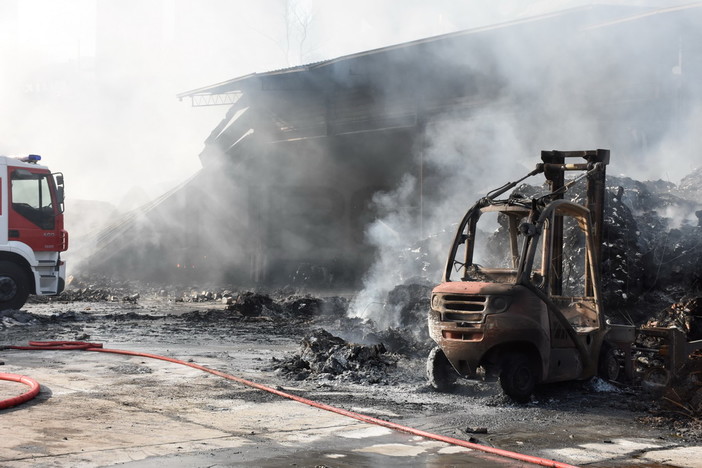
column 32, row 235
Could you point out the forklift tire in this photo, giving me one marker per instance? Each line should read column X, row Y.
column 440, row 373
column 517, row 377
column 608, row 367
column 14, row 286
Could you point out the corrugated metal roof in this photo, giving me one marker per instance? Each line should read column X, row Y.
column 228, row 86
column 616, row 17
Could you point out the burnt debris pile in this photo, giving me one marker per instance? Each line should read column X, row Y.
column 323, row 356
column 11, row 318
column 668, row 232
column 677, row 379
column 16, row 317
column 99, row 288
column 408, row 304
column 652, row 242
column 255, row 306
column 685, row 315
column 90, row 294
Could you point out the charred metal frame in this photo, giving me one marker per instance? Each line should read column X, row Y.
column 554, row 166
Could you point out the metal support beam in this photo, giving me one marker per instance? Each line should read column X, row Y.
column 222, row 99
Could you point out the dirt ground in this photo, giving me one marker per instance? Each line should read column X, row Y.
column 102, row 410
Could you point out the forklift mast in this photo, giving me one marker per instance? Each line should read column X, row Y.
column 555, row 165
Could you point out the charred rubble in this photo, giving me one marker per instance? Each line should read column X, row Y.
column 323, row 356
column 256, row 306
column 652, row 244
column 678, row 385
column 685, row 315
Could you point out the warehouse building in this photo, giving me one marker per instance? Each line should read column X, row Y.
column 296, row 170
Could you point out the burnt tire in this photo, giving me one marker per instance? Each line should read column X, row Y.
column 440, row 373
column 518, row 377
column 14, row 286
column 608, row 367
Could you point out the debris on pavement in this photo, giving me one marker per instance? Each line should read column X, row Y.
column 328, row 357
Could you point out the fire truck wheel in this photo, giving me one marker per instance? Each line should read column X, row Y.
column 440, row 373
column 14, row 287
column 517, row 377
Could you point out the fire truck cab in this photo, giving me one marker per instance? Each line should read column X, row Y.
column 32, row 234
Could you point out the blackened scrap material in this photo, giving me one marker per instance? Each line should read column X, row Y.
column 402, row 341
column 685, row 315
column 212, row 315
column 87, row 294
column 11, row 317
column 651, row 246
column 259, row 307
column 677, row 385
column 303, row 307
column 622, row 265
column 251, row 304
column 16, row 317
column 131, row 316
column 684, row 394
column 323, row 355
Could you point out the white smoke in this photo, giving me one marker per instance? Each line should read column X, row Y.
column 548, row 101
column 465, row 159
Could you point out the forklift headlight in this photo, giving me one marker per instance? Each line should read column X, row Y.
column 499, row 303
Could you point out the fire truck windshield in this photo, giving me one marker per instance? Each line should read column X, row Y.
column 31, row 198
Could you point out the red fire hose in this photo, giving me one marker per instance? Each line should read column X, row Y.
column 97, row 347
column 18, row 400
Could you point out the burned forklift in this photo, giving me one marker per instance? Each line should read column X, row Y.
column 526, row 307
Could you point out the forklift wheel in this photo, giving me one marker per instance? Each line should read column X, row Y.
column 609, row 367
column 440, row 372
column 517, row 377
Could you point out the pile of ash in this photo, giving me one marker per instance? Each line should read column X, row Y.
column 327, row 357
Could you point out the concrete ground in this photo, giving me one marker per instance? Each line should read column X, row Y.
column 98, row 409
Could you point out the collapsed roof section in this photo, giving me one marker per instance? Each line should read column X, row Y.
column 392, row 87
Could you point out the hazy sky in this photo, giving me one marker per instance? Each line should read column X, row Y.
column 91, row 84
